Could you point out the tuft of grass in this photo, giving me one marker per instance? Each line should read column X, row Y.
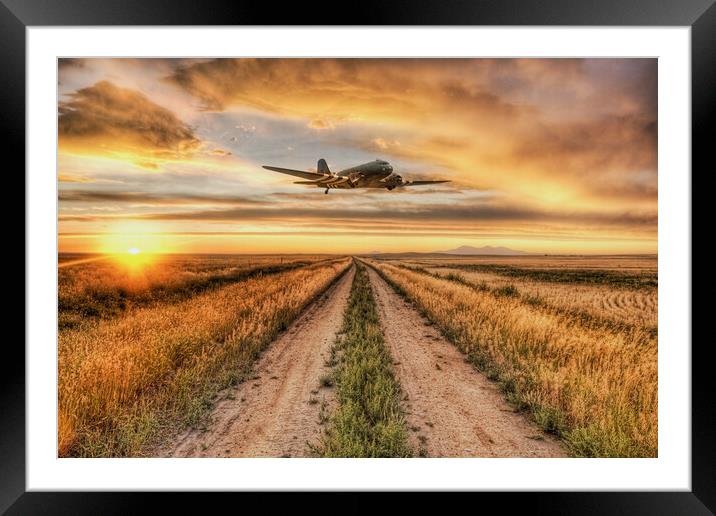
column 369, row 419
column 507, row 291
column 326, row 380
column 452, row 276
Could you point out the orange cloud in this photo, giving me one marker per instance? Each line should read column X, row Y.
column 68, row 178
column 107, row 120
column 321, row 124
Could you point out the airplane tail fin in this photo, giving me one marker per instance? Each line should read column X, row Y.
column 323, row 167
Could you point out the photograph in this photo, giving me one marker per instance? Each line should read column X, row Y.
column 357, row 257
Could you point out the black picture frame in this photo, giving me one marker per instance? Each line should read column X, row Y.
column 17, row 15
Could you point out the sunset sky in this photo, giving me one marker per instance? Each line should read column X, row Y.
column 544, row 155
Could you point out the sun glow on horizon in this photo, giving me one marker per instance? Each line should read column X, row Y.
column 134, row 238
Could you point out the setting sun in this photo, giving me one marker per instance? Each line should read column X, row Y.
column 133, row 249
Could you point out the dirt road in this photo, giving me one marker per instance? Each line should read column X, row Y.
column 452, row 410
column 276, row 413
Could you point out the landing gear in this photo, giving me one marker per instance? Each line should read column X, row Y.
column 326, row 191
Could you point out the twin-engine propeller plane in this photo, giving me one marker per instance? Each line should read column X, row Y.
column 376, row 174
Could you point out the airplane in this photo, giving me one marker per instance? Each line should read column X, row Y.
column 375, row 174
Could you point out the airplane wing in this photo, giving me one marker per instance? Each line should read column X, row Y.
column 418, row 183
column 297, row 173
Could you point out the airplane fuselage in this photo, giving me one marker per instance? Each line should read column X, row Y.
column 377, row 169
column 368, row 175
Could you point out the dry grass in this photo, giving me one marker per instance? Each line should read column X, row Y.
column 112, row 285
column 126, row 380
column 641, row 264
column 598, row 302
column 595, row 387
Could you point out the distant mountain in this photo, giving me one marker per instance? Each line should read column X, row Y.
column 485, row 250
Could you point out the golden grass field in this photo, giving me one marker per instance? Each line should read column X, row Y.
column 108, row 286
column 597, row 302
column 129, row 376
column 147, row 342
column 574, row 343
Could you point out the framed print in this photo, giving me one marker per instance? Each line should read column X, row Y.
column 449, row 252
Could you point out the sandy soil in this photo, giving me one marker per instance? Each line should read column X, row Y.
column 452, row 409
column 276, row 413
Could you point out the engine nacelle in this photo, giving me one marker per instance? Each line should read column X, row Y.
column 392, row 181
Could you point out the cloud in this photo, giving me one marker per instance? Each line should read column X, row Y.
column 328, row 91
column 382, row 144
column 426, row 214
column 72, row 178
column 467, row 215
column 321, row 124
column 153, row 199
column 68, row 178
column 66, row 63
column 219, row 152
column 104, row 119
column 360, row 232
column 612, row 142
